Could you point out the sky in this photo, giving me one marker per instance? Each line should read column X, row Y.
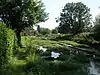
column 54, row 7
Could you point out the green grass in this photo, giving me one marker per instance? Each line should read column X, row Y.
column 48, row 43
column 27, row 61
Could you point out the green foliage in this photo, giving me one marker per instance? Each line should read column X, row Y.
column 27, row 60
column 19, row 14
column 11, row 43
column 84, row 38
column 61, row 37
column 44, row 31
column 3, row 45
column 97, row 28
column 55, row 68
column 7, row 45
column 74, row 18
column 54, row 31
column 29, row 32
column 48, row 43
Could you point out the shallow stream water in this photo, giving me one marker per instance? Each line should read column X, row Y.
column 93, row 69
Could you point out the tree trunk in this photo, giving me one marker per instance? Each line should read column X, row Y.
column 18, row 38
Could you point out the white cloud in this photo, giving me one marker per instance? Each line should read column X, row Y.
column 50, row 23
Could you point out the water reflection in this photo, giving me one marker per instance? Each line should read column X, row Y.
column 54, row 54
column 93, row 70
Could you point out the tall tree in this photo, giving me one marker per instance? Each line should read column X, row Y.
column 18, row 14
column 97, row 27
column 74, row 18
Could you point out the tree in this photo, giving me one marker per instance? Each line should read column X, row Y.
column 19, row 14
column 74, row 18
column 44, row 31
column 97, row 27
column 54, row 31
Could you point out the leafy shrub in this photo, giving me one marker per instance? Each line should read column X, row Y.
column 84, row 38
column 44, row 31
column 6, row 46
column 51, row 68
column 31, row 53
column 54, row 31
column 11, row 43
column 3, row 44
column 29, row 32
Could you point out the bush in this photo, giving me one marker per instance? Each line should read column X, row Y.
column 54, row 31
column 11, row 43
column 84, row 38
column 3, row 45
column 44, row 31
column 6, row 47
column 51, row 68
column 29, row 32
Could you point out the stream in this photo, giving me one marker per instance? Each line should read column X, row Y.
column 93, row 69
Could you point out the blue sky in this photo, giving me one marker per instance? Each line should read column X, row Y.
column 54, row 7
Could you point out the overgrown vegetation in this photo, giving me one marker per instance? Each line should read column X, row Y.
column 27, row 60
column 3, row 46
column 7, row 45
column 74, row 31
column 32, row 64
column 19, row 14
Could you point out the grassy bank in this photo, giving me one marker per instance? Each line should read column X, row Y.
column 27, row 60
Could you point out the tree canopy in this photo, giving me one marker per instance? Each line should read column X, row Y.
column 18, row 14
column 97, row 27
column 74, row 18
